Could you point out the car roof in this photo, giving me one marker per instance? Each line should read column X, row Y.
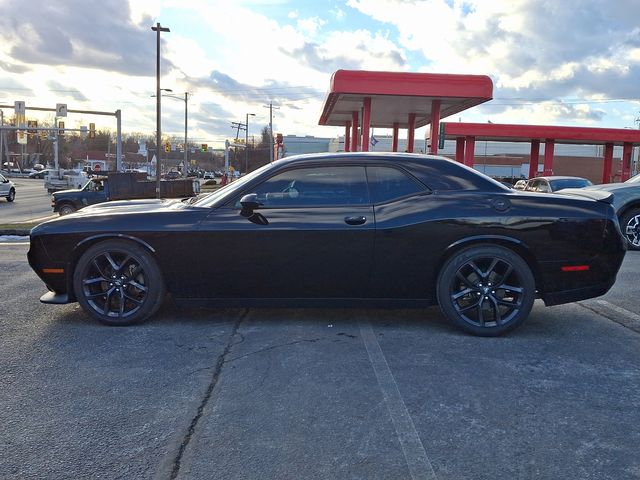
column 558, row 177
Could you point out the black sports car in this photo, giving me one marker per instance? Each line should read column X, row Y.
column 338, row 229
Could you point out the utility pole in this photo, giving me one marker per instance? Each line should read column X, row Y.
column 271, row 107
column 246, row 143
column 158, row 29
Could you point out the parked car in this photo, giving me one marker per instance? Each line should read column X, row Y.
column 626, row 201
column 520, row 185
column 350, row 229
column 554, row 183
column 40, row 174
column 7, row 188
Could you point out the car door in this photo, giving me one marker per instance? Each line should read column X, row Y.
column 312, row 237
column 404, row 236
column 4, row 186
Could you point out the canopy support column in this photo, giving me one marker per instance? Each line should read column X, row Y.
column 534, row 158
column 411, row 132
column 549, row 145
column 354, row 131
column 626, row 161
column 435, row 126
column 470, row 151
column 366, row 124
column 608, row 163
column 460, row 149
column 347, row 137
column 394, row 144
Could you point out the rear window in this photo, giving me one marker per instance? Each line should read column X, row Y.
column 569, row 183
column 443, row 175
column 386, row 183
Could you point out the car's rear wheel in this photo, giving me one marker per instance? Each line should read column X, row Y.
column 66, row 209
column 486, row 290
column 630, row 225
column 12, row 195
column 118, row 283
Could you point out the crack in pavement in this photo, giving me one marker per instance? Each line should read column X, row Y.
column 175, row 469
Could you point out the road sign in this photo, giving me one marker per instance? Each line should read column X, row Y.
column 441, row 137
column 92, row 130
column 61, row 127
column 61, row 109
column 20, row 107
column 83, row 131
column 22, row 137
column 33, row 125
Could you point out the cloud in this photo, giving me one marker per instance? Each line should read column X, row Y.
column 533, row 49
column 365, row 52
column 14, row 68
column 77, row 33
column 64, row 90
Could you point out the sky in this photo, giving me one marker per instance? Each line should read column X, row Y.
column 557, row 62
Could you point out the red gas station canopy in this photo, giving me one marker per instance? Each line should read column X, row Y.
column 527, row 133
column 396, row 94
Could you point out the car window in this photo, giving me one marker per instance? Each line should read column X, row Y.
column 315, row 186
column 532, row 185
column 386, row 183
column 543, row 186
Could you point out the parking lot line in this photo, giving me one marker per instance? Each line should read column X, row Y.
column 414, row 453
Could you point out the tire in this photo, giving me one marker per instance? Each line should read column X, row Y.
column 66, row 209
column 118, row 283
column 486, row 290
column 12, row 195
column 630, row 226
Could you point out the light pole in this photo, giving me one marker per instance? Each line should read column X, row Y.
column 246, row 143
column 158, row 29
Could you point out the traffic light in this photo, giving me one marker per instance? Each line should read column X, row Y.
column 92, row 130
column 205, row 147
column 167, row 147
column 61, row 127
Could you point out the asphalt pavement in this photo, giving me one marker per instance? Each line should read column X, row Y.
column 318, row 394
column 32, row 202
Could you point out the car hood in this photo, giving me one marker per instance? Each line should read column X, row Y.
column 62, row 193
column 130, row 206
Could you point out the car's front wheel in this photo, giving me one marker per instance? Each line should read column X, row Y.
column 12, row 195
column 630, row 226
column 66, row 209
column 486, row 290
column 118, row 283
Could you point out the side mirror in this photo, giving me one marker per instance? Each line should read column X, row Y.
column 249, row 204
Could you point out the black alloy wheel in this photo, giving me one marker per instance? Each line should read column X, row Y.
column 118, row 283
column 486, row 290
column 630, row 226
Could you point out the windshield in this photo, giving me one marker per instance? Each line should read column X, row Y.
column 209, row 199
column 634, row 179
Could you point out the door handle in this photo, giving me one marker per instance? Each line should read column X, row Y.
column 358, row 220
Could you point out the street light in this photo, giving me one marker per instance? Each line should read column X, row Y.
column 185, row 100
column 246, row 143
column 158, row 29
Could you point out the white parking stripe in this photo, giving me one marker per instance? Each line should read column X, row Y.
column 412, row 448
column 13, row 243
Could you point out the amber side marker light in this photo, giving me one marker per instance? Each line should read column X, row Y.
column 575, row 268
column 53, row 270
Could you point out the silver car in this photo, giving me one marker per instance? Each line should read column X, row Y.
column 7, row 188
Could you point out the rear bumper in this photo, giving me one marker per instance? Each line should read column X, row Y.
column 576, row 294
